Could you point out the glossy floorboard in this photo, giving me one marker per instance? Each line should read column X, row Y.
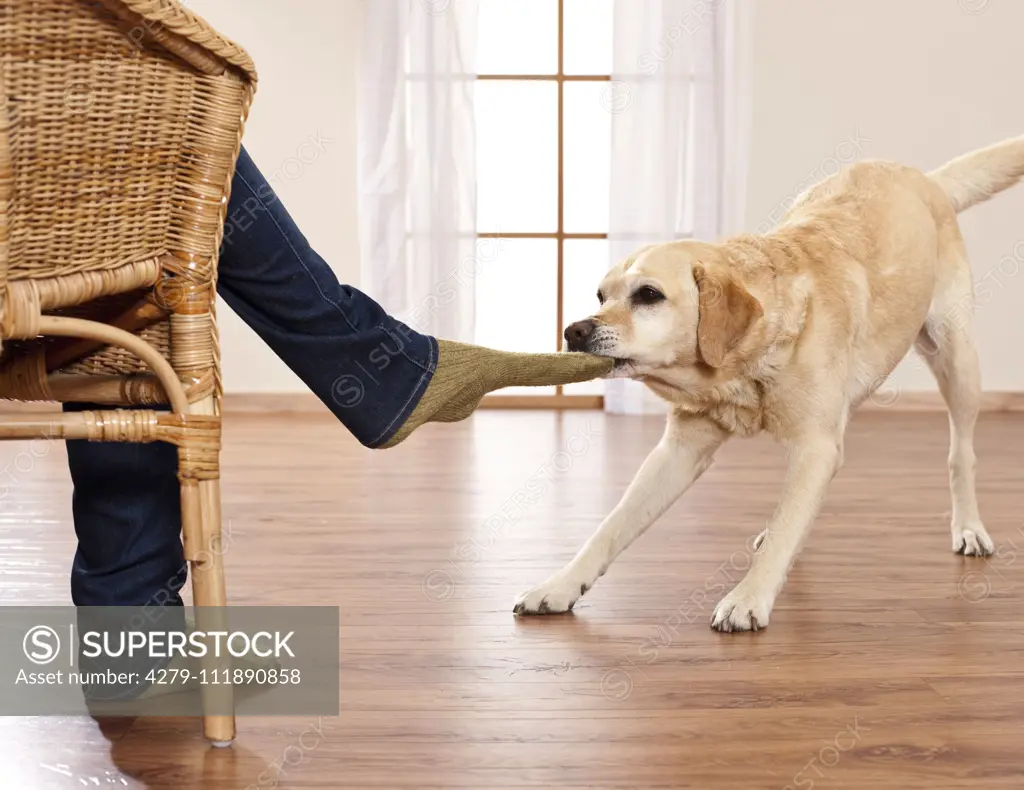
column 889, row 663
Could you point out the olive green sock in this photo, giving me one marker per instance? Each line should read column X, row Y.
column 466, row 373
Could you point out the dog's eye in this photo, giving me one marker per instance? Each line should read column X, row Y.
column 646, row 295
column 600, row 298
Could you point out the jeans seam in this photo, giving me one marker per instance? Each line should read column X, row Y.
column 417, row 391
column 295, row 252
column 309, row 274
column 389, row 331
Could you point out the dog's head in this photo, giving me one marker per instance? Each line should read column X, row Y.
column 668, row 306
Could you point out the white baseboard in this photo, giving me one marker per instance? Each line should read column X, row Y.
column 273, row 403
column 932, row 401
column 306, row 403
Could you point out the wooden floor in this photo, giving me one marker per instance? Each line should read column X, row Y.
column 889, row 662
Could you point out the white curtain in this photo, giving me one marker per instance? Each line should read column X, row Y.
column 680, row 104
column 417, row 168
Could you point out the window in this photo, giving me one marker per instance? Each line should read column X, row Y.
column 543, row 170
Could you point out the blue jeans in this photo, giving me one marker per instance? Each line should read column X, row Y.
column 367, row 368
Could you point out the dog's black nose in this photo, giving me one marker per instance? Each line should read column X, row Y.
column 577, row 335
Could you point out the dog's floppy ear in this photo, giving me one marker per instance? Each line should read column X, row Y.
column 727, row 311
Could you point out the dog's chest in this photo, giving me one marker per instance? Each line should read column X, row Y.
column 737, row 407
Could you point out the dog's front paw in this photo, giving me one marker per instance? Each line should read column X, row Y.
column 743, row 609
column 558, row 594
column 972, row 540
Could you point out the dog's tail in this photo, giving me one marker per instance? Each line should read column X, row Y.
column 977, row 176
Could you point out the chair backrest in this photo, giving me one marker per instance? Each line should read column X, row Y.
column 120, row 123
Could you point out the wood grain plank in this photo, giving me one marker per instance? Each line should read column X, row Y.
column 423, row 548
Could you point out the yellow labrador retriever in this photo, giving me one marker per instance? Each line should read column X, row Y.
column 787, row 333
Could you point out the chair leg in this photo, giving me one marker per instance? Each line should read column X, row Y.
column 194, row 357
column 201, row 528
column 198, row 442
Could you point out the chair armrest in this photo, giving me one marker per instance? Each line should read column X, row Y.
column 185, row 34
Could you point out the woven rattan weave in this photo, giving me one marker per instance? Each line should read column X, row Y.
column 120, row 125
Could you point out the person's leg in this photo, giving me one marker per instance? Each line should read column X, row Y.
column 378, row 376
column 127, row 514
column 367, row 368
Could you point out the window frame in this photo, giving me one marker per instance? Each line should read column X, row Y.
column 560, row 400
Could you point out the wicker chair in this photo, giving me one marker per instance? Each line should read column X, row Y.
column 120, row 125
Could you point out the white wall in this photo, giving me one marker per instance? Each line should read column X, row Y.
column 919, row 81
column 305, row 53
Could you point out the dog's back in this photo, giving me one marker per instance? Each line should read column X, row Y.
column 883, row 246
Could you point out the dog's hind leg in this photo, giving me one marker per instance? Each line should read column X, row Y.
column 946, row 342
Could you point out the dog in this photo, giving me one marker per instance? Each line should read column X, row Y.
column 787, row 333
